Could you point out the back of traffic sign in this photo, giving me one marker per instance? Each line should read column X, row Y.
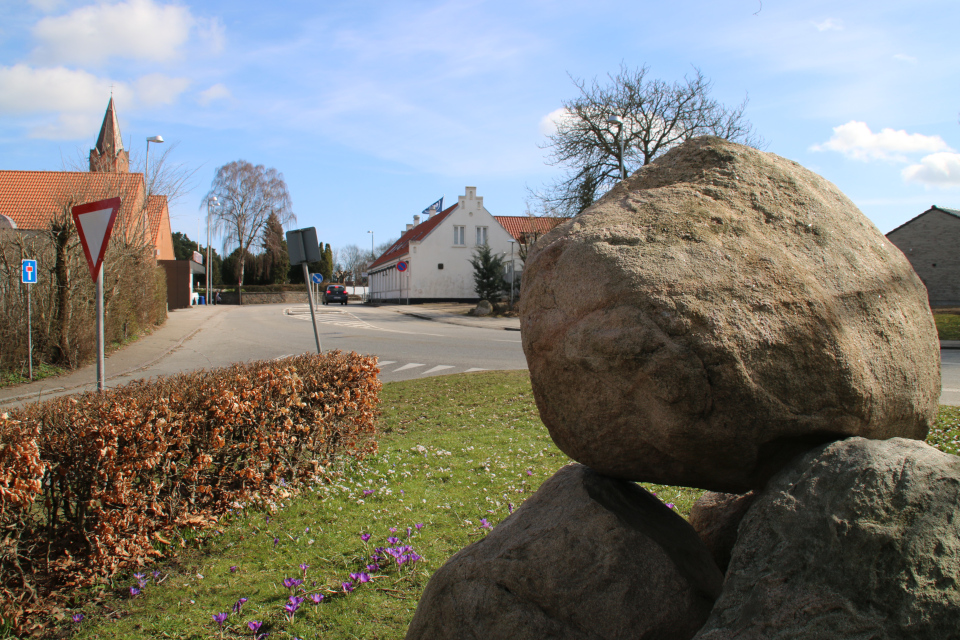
column 94, row 222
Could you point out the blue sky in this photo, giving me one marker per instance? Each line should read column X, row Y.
column 374, row 109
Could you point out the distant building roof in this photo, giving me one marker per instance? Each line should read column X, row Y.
column 519, row 227
column 401, row 247
column 952, row 212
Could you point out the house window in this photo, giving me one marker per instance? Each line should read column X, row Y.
column 440, row 266
column 481, row 236
column 458, row 236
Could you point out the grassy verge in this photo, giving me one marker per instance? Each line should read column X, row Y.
column 40, row 372
column 948, row 325
column 457, row 453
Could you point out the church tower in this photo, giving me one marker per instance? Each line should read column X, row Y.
column 109, row 155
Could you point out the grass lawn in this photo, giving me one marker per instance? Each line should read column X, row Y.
column 457, row 453
column 948, row 325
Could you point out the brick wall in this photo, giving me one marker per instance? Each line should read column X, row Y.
column 931, row 242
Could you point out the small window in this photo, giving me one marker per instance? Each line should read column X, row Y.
column 440, row 266
column 458, row 236
column 481, row 236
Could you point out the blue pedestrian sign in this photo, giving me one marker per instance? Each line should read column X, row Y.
column 28, row 271
column 316, row 277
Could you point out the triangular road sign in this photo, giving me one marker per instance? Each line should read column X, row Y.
column 94, row 222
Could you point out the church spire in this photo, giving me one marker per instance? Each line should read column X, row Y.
column 109, row 155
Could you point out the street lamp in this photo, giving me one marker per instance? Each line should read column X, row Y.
column 212, row 202
column 373, row 255
column 617, row 120
column 512, row 273
column 146, row 182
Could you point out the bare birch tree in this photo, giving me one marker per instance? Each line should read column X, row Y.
column 248, row 195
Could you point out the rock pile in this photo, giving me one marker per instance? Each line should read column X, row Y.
column 723, row 319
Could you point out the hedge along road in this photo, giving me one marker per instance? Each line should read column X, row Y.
column 207, row 337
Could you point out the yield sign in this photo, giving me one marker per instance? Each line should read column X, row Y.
column 94, row 222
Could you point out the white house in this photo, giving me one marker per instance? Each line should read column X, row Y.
column 437, row 253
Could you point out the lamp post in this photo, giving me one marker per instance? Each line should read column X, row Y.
column 512, row 273
column 146, row 181
column 212, row 202
column 617, row 120
column 373, row 256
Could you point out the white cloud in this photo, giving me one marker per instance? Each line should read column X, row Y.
column 138, row 29
column 25, row 90
column 549, row 122
column 935, row 170
column 855, row 140
column 157, row 89
column 78, row 98
column 830, row 24
column 47, row 6
column 905, row 58
column 212, row 32
column 216, row 92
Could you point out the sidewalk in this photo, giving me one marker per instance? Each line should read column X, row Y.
column 181, row 324
column 455, row 313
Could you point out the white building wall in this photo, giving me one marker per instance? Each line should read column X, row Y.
column 426, row 278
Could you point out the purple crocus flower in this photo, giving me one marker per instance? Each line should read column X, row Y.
column 77, row 617
column 233, row 569
column 364, row 536
column 220, row 618
column 529, row 473
column 317, row 598
column 393, row 540
column 276, row 541
column 485, row 524
column 509, row 507
column 373, row 567
column 419, row 526
column 254, row 626
column 134, row 591
column 304, row 567
column 393, row 529
column 363, row 577
column 354, row 576
column 367, row 492
column 238, row 605
column 409, row 531
column 347, row 587
column 292, row 583
column 670, row 505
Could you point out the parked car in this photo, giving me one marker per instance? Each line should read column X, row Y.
column 335, row 293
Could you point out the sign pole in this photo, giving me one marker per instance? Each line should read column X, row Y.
column 313, row 313
column 29, row 336
column 100, row 375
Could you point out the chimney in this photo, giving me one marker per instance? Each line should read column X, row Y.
column 409, row 226
column 416, row 220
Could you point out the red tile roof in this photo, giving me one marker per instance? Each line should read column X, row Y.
column 521, row 226
column 401, row 247
column 155, row 209
column 34, row 198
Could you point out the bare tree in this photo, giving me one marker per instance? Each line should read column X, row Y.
column 248, row 195
column 353, row 261
column 610, row 130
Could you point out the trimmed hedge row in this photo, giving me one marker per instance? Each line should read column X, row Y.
column 90, row 485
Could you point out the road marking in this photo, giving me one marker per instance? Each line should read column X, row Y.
column 439, row 367
column 289, row 355
column 384, row 363
column 951, row 390
column 412, row 365
column 474, row 369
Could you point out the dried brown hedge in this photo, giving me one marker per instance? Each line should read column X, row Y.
column 118, row 474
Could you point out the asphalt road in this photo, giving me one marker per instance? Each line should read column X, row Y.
column 407, row 347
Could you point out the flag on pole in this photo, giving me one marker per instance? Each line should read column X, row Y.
column 435, row 208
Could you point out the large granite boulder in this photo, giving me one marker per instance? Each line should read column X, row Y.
column 586, row 557
column 716, row 517
column 857, row 539
column 719, row 312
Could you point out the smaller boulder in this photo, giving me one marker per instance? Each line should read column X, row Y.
column 585, row 557
column 483, row 308
column 857, row 539
column 715, row 517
